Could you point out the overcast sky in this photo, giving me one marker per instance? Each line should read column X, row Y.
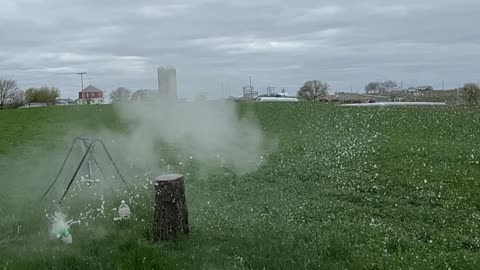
column 213, row 42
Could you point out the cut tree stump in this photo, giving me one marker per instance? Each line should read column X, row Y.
column 171, row 214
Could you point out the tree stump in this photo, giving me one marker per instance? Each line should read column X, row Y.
column 171, row 214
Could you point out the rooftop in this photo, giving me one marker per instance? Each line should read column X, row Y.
column 90, row 89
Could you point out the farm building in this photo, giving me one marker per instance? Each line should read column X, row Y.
column 90, row 95
column 277, row 99
column 64, row 102
column 345, row 97
column 33, row 105
column 144, row 95
column 424, row 88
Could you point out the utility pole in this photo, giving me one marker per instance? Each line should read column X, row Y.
column 81, row 77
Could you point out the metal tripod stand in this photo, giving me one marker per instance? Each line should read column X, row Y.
column 88, row 146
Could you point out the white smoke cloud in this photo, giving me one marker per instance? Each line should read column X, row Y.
column 207, row 131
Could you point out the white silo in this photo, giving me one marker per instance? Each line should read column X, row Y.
column 167, row 82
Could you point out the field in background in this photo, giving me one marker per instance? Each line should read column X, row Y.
column 346, row 188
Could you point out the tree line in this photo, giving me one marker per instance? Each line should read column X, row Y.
column 316, row 90
column 380, row 87
column 15, row 97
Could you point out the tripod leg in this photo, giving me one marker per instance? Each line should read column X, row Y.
column 89, row 161
column 115, row 166
column 61, row 169
column 75, row 173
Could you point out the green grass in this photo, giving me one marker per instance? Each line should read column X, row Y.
column 346, row 188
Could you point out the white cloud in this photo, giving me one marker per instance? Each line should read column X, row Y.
column 247, row 45
column 162, row 10
column 261, row 46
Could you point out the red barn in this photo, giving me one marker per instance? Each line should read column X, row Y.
column 90, row 95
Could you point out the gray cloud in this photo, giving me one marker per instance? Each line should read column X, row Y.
column 344, row 42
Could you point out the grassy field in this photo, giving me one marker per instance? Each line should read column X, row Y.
column 345, row 188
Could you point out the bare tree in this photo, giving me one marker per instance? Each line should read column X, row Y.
column 471, row 94
column 17, row 98
column 380, row 87
column 374, row 88
column 122, row 94
column 312, row 90
column 390, row 85
column 6, row 88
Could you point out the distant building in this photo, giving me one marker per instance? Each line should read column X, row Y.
column 167, row 82
column 33, row 105
column 277, row 99
column 64, row 102
column 90, row 95
column 347, row 97
column 144, row 95
column 283, row 93
column 424, row 88
column 249, row 93
column 411, row 89
column 419, row 88
column 393, row 89
column 381, row 90
column 374, row 91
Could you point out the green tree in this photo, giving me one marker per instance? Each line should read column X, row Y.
column 7, row 87
column 311, row 90
column 122, row 94
column 43, row 94
column 471, row 94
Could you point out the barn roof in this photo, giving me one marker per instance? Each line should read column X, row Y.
column 90, row 89
column 144, row 92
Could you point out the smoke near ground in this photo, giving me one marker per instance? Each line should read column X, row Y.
column 209, row 132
